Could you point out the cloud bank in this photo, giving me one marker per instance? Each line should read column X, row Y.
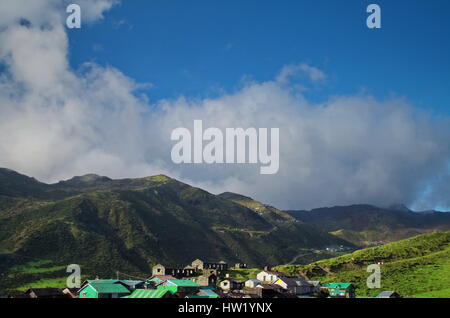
column 56, row 122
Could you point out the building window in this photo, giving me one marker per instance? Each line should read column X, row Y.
column 84, row 294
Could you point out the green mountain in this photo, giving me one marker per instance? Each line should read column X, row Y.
column 13, row 184
column 266, row 211
column 366, row 225
column 129, row 225
column 414, row 267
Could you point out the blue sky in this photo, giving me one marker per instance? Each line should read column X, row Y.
column 373, row 129
column 199, row 47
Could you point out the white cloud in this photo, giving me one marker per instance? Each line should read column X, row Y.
column 292, row 70
column 93, row 10
column 348, row 150
column 56, row 123
column 49, row 12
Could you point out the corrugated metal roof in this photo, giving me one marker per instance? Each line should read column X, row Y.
column 133, row 282
column 295, row 281
column 207, row 292
column 182, row 283
column 149, row 293
column 337, row 285
column 268, row 286
column 386, row 293
column 108, row 286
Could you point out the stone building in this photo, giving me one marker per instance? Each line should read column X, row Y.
column 208, row 278
column 191, row 270
column 201, row 265
column 159, row 269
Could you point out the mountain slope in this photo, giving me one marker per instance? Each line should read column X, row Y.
column 415, row 267
column 367, row 225
column 13, row 184
column 266, row 211
column 129, row 225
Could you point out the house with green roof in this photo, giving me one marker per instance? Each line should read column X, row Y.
column 133, row 284
column 204, row 293
column 158, row 279
column 339, row 290
column 151, row 293
column 103, row 288
column 180, row 286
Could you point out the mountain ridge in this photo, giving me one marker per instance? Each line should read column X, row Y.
column 367, row 225
column 131, row 224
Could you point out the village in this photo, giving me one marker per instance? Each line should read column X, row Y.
column 205, row 280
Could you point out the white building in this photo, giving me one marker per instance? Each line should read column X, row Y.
column 252, row 283
column 268, row 276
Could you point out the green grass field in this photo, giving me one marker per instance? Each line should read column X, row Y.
column 36, row 274
column 415, row 267
column 43, row 266
column 44, row 283
column 244, row 274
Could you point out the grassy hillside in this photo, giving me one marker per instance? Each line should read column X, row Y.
column 264, row 210
column 129, row 225
column 415, row 267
